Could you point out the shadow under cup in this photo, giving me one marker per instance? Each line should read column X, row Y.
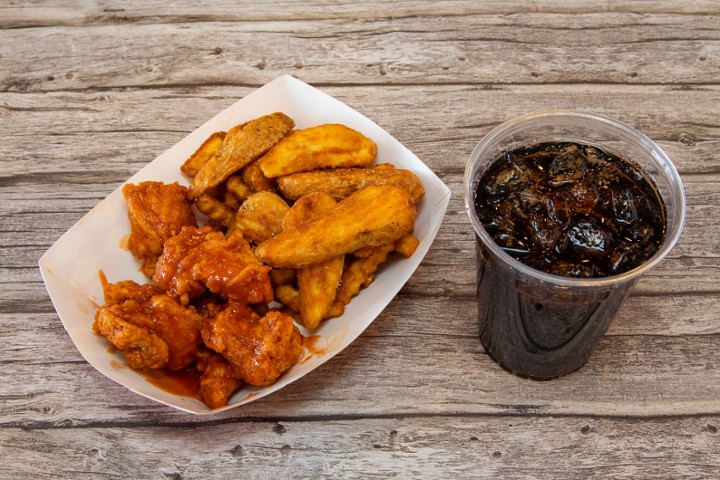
column 544, row 326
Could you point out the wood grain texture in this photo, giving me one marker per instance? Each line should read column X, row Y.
column 457, row 446
column 91, row 91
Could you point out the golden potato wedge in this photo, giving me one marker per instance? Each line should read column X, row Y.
column 329, row 145
column 317, row 283
column 304, row 210
column 373, row 216
column 242, row 145
column 206, row 151
column 339, row 183
column 359, row 273
column 260, row 216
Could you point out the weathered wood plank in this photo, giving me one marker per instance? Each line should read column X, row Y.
column 471, row 49
column 516, row 447
column 407, row 316
column 125, row 129
column 628, row 375
column 31, row 13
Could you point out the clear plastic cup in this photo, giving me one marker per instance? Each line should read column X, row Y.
column 539, row 325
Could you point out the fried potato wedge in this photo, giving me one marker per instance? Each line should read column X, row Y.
column 317, row 283
column 340, row 183
column 241, row 146
column 260, row 217
column 206, row 151
column 373, row 216
column 329, row 145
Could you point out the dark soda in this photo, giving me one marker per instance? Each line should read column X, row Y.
column 571, row 209
column 566, row 209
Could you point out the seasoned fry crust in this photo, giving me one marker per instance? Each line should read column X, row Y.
column 340, row 183
column 215, row 210
column 241, row 146
column 307, row 209
column 373, row 216
column 318, row 284
column 324, row 146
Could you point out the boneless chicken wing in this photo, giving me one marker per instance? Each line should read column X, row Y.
column 217, row 380
column 121, row 325
column 200, row 258
column 157, row 211
column 259, row 349
column 153, row 332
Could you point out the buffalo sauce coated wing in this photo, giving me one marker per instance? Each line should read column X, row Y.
column 259, row 349
column 217, row 380
column 152, row 331
column 157, row 211
column 199, row 258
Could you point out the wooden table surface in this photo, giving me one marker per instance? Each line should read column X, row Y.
column 91, row 91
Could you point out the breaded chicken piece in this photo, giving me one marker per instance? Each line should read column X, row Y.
column 217, row 380
column 200, row 258
column 126, row 290
column 152, row 333
column 259, row 349
column 330, row 145
column 157, row 211
column 142, row 348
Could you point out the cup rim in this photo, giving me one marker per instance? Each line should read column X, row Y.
column 661, row 159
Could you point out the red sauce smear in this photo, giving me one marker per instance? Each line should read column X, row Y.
column 310, row 344
column 185, row 383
